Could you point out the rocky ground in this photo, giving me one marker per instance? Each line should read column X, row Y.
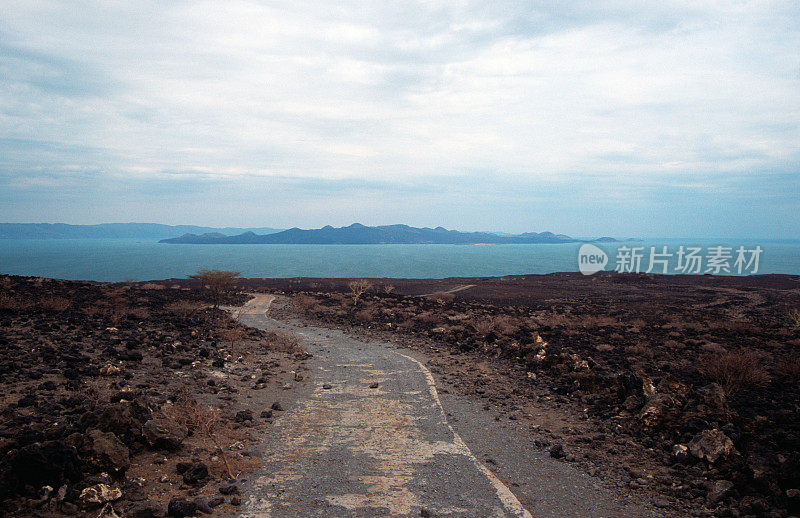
column 684, row 388
column 134, row 399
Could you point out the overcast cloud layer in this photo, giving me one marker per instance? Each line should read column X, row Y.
column 677, row 119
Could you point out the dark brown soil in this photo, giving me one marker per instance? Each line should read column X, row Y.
column 646, row 380
column 88, row 370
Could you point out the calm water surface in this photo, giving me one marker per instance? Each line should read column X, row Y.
column 123, row 259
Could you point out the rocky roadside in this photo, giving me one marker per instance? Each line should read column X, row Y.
column 133, row 399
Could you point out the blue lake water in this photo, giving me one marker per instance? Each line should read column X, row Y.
column 122, row 259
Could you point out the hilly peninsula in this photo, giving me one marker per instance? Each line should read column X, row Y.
column 357, row 234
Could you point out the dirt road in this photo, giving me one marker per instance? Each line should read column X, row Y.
column 370, row 437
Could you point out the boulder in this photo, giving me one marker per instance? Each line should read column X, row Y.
column 196, row 473
column 656, row 412
column 711, row 445
column 99, row 494
column 719, row 490
column 109, row 451
column 164, row 433
column 180, row 508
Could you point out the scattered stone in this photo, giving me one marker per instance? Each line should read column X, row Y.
column 243, row 415
column 182, row 467
column 425, row 513
column 236, row 501
column 146, row 510
column 109, row 370
column 719, row 490
column 159, row 459
column 266, row 414
column 679, row 453
column 557, row 451
column 711, row 445
column 195, row 474
column 661, row 502
column 277, row 406
column 202, row 505
column 109, row 450
column 108, row 512
column 164, row 433
column 216, row 501
column 327, row 386
column 229, row 490
column 373, row 385
column 180, row 508
column 100, row 494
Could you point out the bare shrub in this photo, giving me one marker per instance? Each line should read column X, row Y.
column 366, row 315
column 152, row 286
column 358, row 288
column 184, row 308
column 794, row 317
column 506, row 325
column 429, row 317
column 483, row 327
column 734, row 371
column 442, row 297
column 10, row 303
column 790, row 369
column 218, row 282
column 388, row 288
column 5, row 283
column 206, row 422
column 285, row 342
column 304, row 303
column 54, row 304
column 139, row 313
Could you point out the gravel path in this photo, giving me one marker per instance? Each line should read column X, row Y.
column 370, row 438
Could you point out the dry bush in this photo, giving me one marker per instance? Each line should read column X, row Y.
column 790, row 369
column 358, row 288
column 304, row 303
column 184, row 308
column 794, row 317
column 640, row 349
column 734, row 371
column 442, row 297
column 285, row 342
column 483, row 327
column 152, row 286
column 10, row 303
column 506, row 325
column 54, row 304
column 366, row 315
column 218, row 282
column 5, row 283
column 205, row 422
column 231, row 335
column 139, row 313
column 388, row 288
column 428, row 317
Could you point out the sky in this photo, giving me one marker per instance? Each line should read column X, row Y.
column 646, row 119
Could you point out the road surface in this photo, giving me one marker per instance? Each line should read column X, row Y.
column 369, row 437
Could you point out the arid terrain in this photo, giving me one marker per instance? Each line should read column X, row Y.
column 131, row 399
column 141, row 399
column 683, row 388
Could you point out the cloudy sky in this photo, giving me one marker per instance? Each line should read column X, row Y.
column 671, row 119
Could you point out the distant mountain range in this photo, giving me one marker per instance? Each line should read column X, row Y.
column 357, row 234
column 112, row 231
